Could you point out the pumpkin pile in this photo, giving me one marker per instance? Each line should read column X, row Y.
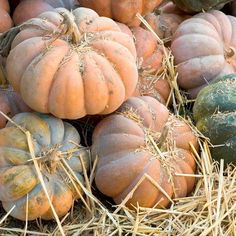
column 120, row 63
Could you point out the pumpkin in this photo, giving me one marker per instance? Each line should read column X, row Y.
column 214, row 113
column 165, row 20
column 84, row 67
column 31, row 8
column 5, row 19
column 123, row 11
column 155, row 86
column 53, row 141
column 10, row 104
column 150, row 63
column 192, row 6
column 140, row 150
column 209, row 51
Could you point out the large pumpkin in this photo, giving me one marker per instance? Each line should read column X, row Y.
column 70, row 70
column 10, row 104
column 144, row 144
column 192, row 6
column 5, row 19
column 123, row 11
column 20, row 187
column 204, row 48
column 31, row 8
column 214, row 113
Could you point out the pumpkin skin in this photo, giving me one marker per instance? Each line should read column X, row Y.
column 18, row 177
column 125, row 153
column 70, row 78
column 193, row 6
column 209, row 53
column 214, row 113
column 10, row 104
column 123, row 11
column 5, row 19
column 28, row 9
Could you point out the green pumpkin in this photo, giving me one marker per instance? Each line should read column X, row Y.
column 215, row 114
column 192, row 6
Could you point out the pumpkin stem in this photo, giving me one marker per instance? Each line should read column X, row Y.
column 229, row 53
column 70, row 25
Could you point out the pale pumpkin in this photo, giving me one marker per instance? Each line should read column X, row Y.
column 204, row 49
column 140, row 149
column 74, row 64
column 31, row 8
column 123, row 11
column 54, row 142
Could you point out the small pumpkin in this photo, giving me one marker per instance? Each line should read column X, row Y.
column 165, row 20
column 209, row 51
column 5, row 19
column 53, row 141
column 139, row 150
column 28, row 9
column 123, row 11
column 84, row 67
column 10, row 104
column 193, row 6
column 214, row 113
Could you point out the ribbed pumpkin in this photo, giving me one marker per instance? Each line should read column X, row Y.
column 214, row 113
column 86, row 66
column 123, row 11
column 31, row 8
column 192, row 6
column 143, row 143
column 5, row 19
column 53, row 141
column 204, row 49
column 10, row 104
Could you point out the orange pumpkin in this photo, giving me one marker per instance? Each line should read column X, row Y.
column 10, row 104
column 5, row 19
column 204, row 49
column 53, row 141
column 71, row 70
column 31, row 8
column 150, row 61
column 123, row 11
column 165, row 20
column 140, row 150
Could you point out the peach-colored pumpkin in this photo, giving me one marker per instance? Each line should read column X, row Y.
column 123, row 11
column 143, row 139
column 204, row 49
column 71, row 70
column 5, row 19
